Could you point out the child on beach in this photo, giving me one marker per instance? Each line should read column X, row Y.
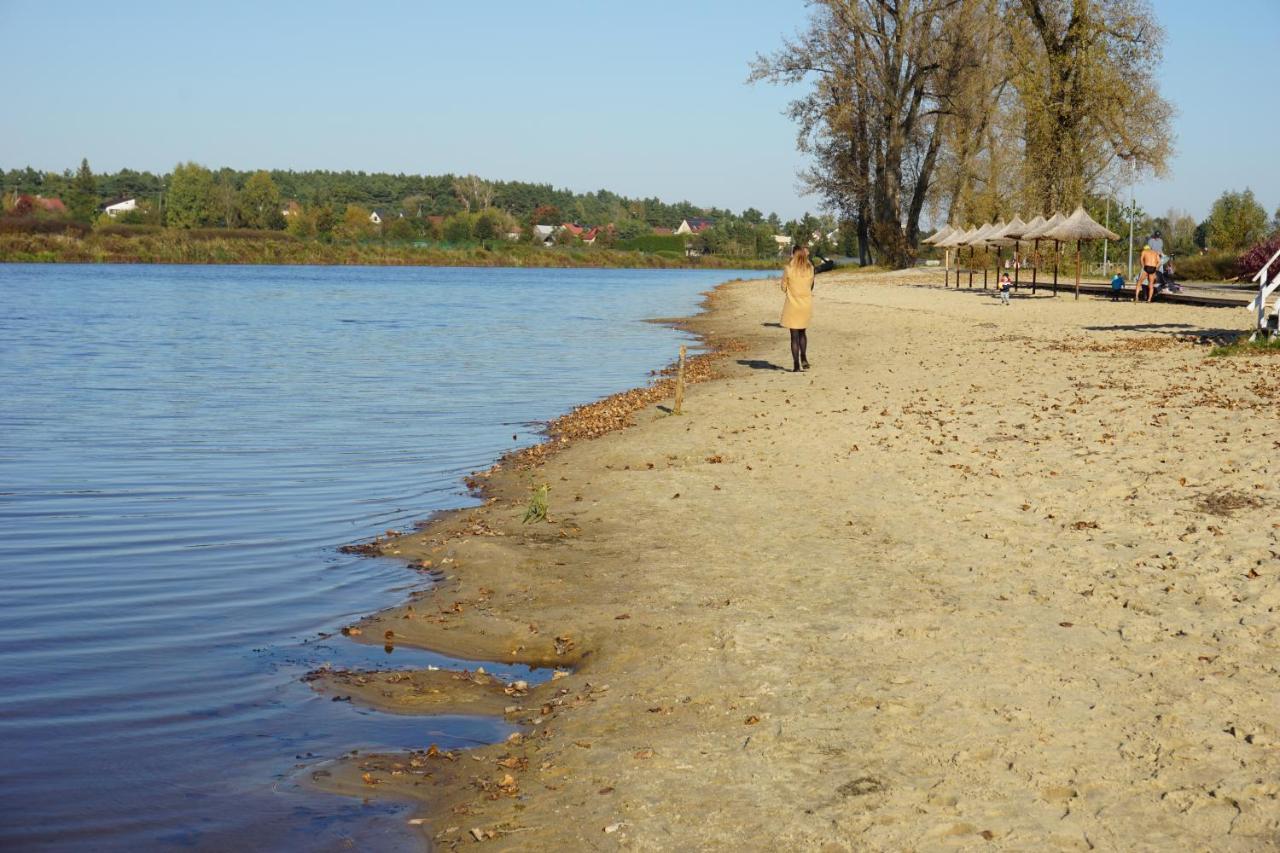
column 1006, row 285
column 1117, row 285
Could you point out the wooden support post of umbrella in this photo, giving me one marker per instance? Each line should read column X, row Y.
column 1029, row 234
column 1011, row 235
column 1080, row 226
column 995, row 268
column 936, row 239
column 979, row 241
column 1056, row 258
column 957, row 240
column 1042, row 233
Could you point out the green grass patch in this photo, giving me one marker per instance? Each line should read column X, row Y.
column 1244, row 346
column 665, row 243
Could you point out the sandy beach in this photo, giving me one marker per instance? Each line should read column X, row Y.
column 984, row 577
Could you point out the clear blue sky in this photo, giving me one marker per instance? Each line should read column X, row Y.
column 641, row 98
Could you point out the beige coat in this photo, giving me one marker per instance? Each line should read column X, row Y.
column 797, row 284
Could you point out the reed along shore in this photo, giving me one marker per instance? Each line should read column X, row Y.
column 984, row 574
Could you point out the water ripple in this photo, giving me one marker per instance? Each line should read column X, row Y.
column 181, row 449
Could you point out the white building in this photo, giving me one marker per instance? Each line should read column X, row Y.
column 378, row 217
column 121, row 207
column 695, row 225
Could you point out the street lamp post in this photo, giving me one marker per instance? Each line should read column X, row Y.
column 1105, row 270
column 1133, row 206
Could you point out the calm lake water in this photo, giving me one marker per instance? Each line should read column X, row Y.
column 182, row 449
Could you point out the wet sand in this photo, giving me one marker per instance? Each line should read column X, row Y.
column 984, row 576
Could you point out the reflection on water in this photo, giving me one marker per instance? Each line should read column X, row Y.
column 181, row 449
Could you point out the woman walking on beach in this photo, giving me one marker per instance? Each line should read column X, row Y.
column 797, row 309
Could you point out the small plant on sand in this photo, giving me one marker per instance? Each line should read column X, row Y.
column 1225, row 502
column 1244, row 346
column 537, row 509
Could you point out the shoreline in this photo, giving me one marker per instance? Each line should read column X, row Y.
column 427, row 549
column 45, row 249
column 704, row 641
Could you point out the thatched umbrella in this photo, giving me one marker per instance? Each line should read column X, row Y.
column 982, row 240
column 1011, row 235
column 955, row 240
column 1032, row 226
column 1080, row 226
column 937, row 237
column 1042, row 233
column 973, row 240
column 978, row 240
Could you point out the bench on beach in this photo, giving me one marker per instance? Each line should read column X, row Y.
column 970, row 272
column 1018, row 282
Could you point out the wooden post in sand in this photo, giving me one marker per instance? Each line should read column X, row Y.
column 1035, row 266
column 1055, row 267
column 1077, row 269
column 678, row 410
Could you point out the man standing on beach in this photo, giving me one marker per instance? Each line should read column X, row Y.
column 1150, row 261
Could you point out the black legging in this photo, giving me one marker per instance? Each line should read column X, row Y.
column 799, row 347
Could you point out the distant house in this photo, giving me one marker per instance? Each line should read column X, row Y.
column 377, row 217
column 694, row 225
column 782, row 240
column 544, row 233
column 663, row 232
column 291, row 208
column 120, row 207
column 589, row 236
column 573, row 228
column 515, row 233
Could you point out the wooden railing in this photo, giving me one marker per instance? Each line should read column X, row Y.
column 1267, row 285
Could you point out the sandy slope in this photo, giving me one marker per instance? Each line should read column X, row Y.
column 986, row 576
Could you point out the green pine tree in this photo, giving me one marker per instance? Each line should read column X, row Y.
column 82, row 196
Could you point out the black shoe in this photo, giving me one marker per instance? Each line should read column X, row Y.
column 805, row 365
column 795, row 369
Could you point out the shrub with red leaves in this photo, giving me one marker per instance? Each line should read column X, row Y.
column 1251, row 261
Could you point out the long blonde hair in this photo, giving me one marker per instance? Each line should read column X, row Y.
column 799, row 262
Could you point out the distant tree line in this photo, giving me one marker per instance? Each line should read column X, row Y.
column 361, row 206
column 215, row 195
column 1236, row 221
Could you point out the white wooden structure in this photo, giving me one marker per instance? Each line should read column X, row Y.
column 120, row 207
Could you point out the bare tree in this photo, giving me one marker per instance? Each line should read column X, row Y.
column 885, row 77
column 473, row 192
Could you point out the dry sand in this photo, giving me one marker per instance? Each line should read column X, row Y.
column 984, row 577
